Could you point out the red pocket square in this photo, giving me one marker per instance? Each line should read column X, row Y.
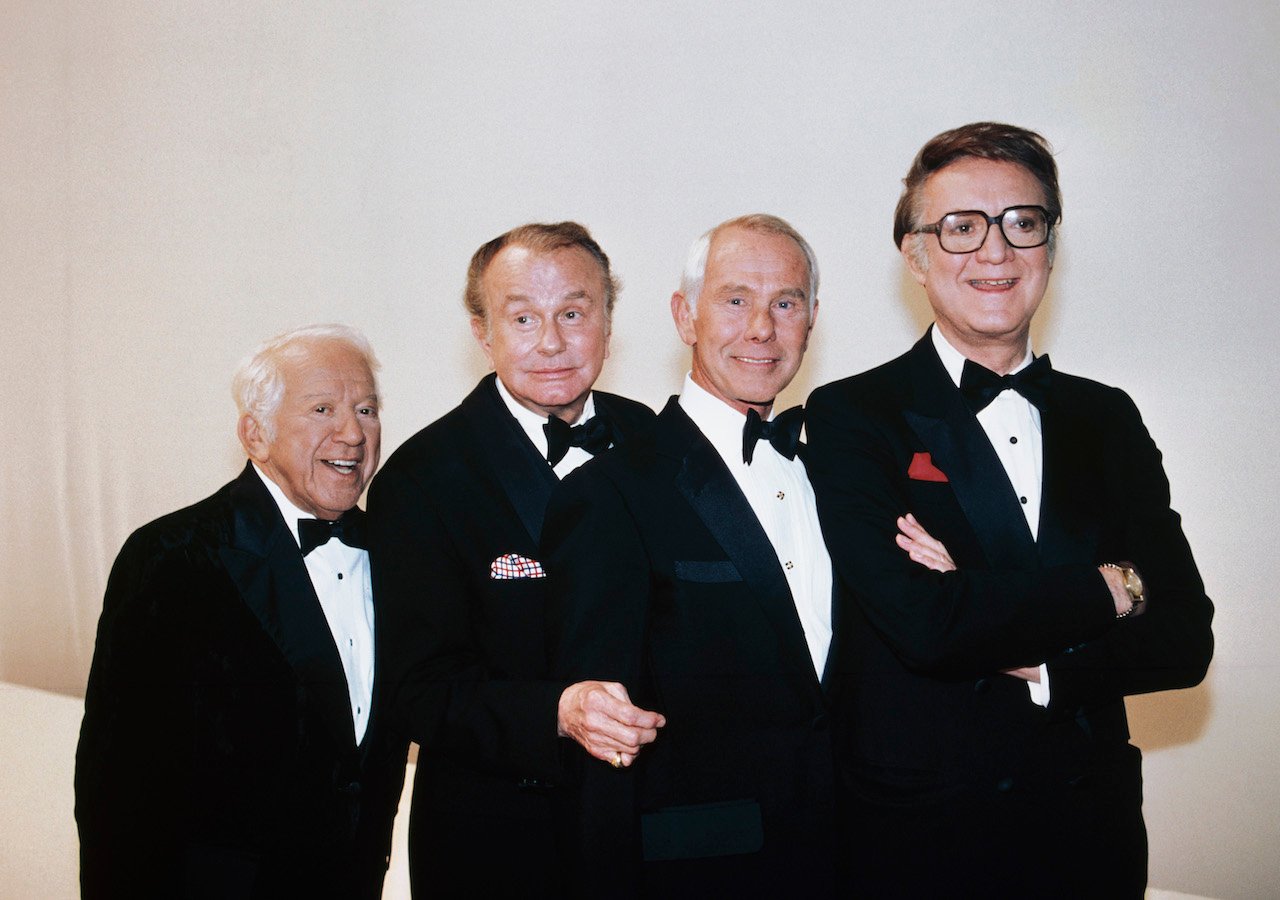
column 923, row 469
column 513, row 565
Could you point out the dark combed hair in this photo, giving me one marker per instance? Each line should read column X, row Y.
column 541, row 238
column 984, row 140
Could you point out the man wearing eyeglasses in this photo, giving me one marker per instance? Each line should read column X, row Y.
column 1008, row 561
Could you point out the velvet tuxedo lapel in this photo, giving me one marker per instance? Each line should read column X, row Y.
column 264, row 562
column 525, row 477
column 959, row 447
column 711, row 490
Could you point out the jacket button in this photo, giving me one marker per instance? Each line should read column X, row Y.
column 820, row 722
column 528, row 784
column 1004, row 785
column 982, row 685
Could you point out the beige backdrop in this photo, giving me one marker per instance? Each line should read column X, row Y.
column 179, row 180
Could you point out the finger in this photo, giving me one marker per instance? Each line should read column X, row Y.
column 614, row 702
column 610, row 735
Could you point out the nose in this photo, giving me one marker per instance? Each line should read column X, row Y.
column 995, row 249
column 550, row 340
column 347, row 429
column 760, row 327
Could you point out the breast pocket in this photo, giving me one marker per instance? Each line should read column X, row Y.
column 714, row 571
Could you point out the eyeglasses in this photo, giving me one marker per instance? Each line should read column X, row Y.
column 965, row 231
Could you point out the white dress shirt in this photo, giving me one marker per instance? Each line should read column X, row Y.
column 340, row 576
column 780, row 495
column 532, row 424
column 1012, row 424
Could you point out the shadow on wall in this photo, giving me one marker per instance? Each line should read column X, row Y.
column 1170, row 718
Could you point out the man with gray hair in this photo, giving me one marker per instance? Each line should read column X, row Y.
column 232, row 743
column 690, row 568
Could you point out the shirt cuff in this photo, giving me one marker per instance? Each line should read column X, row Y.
column 1040, row 692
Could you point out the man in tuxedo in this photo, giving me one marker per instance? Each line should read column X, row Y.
column 457, row 515
column 689, row 567
column 1002, row 535
column 233, row 743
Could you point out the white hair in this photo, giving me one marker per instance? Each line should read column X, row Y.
column 258, row 384
column 695, row 267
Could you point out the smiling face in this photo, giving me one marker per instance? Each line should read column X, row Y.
column 982, row 301
column 327, row 431
column 752, row 321
column 546, row 334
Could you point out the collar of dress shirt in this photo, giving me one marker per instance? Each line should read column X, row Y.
column 719, row 422
column 532, row 423
column 290, row 512
column 953, row 359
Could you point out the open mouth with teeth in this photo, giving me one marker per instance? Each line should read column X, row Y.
column 993, row 282
column 345, row 466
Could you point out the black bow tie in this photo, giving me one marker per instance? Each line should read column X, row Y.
column 593, row 435
column 783, row 432
column 313, row 533
column 980, row 385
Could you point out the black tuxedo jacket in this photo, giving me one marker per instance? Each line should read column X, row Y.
column 217, row 757
column 466, row 651
column 661, row 577
column 931, row 732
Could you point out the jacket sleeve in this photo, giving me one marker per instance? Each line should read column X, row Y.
column 975, row 620
column 972, row 621
column 1170, row 644
column 132, row 760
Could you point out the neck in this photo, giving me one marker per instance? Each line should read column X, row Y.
column 999, row 354
column 762, row 407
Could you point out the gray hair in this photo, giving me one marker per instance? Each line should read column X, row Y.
column 258, row 384
column 695, row 267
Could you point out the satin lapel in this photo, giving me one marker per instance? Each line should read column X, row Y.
column 266, row 566
column 711, row 490
column 1071, row 480
column 959, row 447
column 525, row 477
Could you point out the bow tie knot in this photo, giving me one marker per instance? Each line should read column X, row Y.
column 593, row 435
column 980, row 385
column 349, row 529
column 783, row 432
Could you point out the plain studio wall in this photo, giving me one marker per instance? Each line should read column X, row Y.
column 180, row 180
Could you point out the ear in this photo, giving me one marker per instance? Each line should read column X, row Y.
column 480, row 330
column 813, row 320
column 253, row 439
column 909, row 244
column 684, row 319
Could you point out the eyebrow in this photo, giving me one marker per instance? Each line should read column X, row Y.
column 797, row 293
column 524, row 298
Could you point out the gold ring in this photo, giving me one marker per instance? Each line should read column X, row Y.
column 617, row 760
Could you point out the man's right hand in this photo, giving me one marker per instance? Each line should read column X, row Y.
column 599, row 715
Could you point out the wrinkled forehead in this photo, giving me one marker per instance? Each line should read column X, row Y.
column 325, row 369
column 518, row 270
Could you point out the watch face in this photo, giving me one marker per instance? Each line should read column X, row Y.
column 1132, row 583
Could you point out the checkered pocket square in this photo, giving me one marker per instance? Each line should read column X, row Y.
column 513, row 565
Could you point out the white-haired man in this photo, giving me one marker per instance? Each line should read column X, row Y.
column 689, row 567
column 231, row 744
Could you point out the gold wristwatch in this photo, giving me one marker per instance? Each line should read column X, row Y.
column 1132, row 584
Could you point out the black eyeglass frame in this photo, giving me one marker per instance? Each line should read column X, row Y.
column 936, row 227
